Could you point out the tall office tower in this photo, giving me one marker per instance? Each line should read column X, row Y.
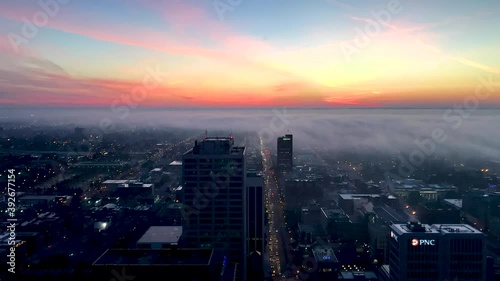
column 285, row 153
column 420, row 252
column 214, row 198
column 255, row 218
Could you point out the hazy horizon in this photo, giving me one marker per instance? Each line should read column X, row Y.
column 365, row 130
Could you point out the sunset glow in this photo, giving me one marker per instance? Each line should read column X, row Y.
column 254, row 53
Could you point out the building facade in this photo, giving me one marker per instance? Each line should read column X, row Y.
column 214, row 198
column 255, row 217
column 285, row 153
column 420, row 252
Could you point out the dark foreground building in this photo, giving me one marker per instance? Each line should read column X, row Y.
column 215, row 198
column 420, row 252
column 152, row 265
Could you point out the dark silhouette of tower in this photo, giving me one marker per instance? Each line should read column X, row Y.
column 285, row 153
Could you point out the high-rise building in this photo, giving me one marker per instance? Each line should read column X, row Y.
column 285, row 153
column 420, row 252
column 214, row 198
column 255, row 219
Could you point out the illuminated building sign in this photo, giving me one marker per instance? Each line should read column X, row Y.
column 286, row 139
column 327, row 257
column 423, row 242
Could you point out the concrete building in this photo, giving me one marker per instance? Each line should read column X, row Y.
column 127, row 188
column 379, row 223
column 285, row 153
column 358, row 275
column 438, row 212
column 161, row 237
column 298, row 192
column 150, row 265
column 430, row 192
column 37, row 200
column 420, row 252
column 215, row 198
column 255, row 217
column 328, row 266
column 350, row 202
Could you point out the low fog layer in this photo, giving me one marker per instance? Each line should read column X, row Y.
column 470, row 134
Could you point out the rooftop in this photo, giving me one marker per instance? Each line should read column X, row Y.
column 358, row 275
column 454, row 202
column 165, row 257
column 161, row 234
column 306, row 228
column 350, row 196
column 115, row 181
column 175, row 163
column 38, row 197
column 324, row 254
column 253, row 173
column 400, row 228
column 215, row 146
column 97, row 164
column 389, row 215
column 435, row 228
column 333, row 213
column 455, row 228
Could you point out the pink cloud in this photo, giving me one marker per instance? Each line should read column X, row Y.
column 189, row 27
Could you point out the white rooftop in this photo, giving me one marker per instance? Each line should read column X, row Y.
column 437, row 229
column 162, row 234
column 455, row 228
column 115, row 181
column 455, row 202
column 348, row 196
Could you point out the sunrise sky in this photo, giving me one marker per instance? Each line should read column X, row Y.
column 253, row 53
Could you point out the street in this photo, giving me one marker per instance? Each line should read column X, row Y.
column 278, row 238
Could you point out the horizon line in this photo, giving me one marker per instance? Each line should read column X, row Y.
column 235, row 107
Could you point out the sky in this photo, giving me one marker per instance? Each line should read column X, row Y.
column 249, row 53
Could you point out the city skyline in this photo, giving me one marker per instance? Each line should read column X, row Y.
column 247, row 53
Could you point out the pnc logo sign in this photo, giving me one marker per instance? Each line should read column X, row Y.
column 423, row 242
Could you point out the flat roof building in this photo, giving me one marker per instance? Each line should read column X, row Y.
column 285, row 153
column 327, row 263
column 160, row 237
column 215, row 198
column 165, row 264
column 420, row 252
